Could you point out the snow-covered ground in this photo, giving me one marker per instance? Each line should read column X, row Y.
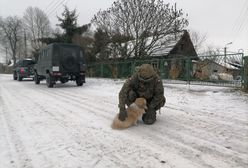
column 69, row 127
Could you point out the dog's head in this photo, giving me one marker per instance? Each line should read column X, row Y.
column 141, row 103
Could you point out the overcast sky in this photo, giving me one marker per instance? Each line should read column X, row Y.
column 223, row 21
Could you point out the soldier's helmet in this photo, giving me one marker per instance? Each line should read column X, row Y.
column 146, row 72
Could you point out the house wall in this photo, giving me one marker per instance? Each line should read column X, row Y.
column 180, row 56
column 208, row 69
column 184, row 47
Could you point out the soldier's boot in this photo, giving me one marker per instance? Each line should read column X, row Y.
column 149, row 117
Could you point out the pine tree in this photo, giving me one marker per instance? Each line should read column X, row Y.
column 68, row 23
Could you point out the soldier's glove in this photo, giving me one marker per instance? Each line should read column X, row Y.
column 122, row 114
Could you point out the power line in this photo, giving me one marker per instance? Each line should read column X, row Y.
column 57, row 3
column 236, row 23
column 54, row 10
column 49, row 5
column 243, row 17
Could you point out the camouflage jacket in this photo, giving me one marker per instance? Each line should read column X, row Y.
column 152, row 90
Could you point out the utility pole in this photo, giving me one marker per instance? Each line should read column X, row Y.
column 225, row 56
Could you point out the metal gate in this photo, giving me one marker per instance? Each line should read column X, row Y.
column 217, row 70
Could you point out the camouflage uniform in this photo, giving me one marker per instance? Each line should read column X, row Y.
column 144, row 83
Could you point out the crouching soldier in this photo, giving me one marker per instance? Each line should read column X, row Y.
column 144, row 83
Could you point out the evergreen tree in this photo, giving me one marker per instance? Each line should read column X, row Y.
column 68, row 24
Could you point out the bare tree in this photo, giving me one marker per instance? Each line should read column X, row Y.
column 11, row 28
column 198, row 40
column 140, row 27
column 37, row 25
column 211, row 52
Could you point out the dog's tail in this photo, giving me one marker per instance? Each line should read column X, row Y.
column 117, row 124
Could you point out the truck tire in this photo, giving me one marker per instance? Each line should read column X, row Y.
column 79, row 81
column 36, row 79
column 49, row 81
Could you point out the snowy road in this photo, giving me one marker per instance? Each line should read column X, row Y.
column 69, row 127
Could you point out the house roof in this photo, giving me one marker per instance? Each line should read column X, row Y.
column 227, row 64
column 223, row 63
column 162, row 47
column 169, row 46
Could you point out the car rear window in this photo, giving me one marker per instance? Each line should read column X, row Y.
column 27, row 62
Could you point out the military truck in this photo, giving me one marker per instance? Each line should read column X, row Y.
column 23, row 69
column 60, row 62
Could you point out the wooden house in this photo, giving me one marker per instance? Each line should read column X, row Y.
column 178, row 55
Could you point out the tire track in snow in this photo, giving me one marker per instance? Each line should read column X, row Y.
column 172, row 142
column 212, row 148
column 137, row 132
column 6, row 139
column 60, row 119
column 212, row 130
column 109, row 153
column 15, row 142
column 173, row 139
column 62, row 97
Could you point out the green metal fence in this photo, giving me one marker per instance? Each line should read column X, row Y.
column 220, row 70
column 246, row 73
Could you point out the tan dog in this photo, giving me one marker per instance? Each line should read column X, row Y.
column 134, row 112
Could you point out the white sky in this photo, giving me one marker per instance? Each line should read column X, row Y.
column 223, row 21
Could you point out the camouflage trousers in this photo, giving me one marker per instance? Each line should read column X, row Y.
column 150, row 116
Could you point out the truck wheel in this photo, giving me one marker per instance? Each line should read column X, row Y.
column 19, row 78
column 79, row 81
column 14, row 76
column 49, row 81
column 36, row 79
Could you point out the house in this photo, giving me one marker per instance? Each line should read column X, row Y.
column 171, row 57
column 208, row 69
column 178, row 55
column 179, row 46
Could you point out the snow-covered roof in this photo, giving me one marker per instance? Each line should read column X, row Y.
column 227, row 64
column 166, row 44
column 162, row 47
column 221, row 62
column 165, row 50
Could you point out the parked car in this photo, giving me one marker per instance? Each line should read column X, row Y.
column 23, row 68
column 60, row 62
